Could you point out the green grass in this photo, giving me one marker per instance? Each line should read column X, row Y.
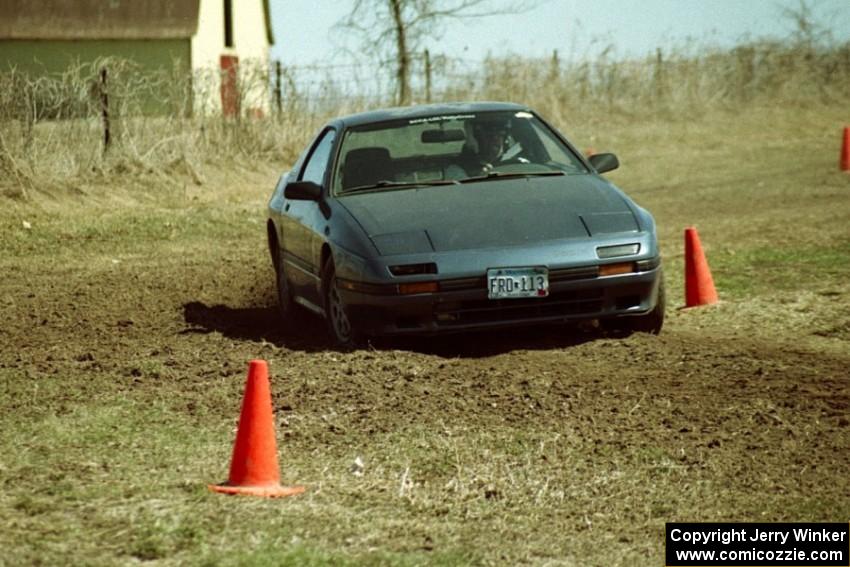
column 126, row 479
column 131, row 228
column 759, row 271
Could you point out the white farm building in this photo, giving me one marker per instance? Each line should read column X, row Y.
column 222, row 44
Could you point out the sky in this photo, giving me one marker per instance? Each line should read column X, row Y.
column 304, row 33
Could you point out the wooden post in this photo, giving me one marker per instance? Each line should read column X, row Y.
column 427, row 76
column 104, row 109
column 659, row 74
column 554, row 88
column 277, row 87
column 554, row 67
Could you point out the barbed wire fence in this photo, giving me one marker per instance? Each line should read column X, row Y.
column 686, row 79
column 328, row 86
column 110, row 116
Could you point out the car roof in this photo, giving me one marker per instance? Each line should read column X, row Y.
column 423, row 110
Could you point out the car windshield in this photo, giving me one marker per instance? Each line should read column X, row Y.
column 450, row 149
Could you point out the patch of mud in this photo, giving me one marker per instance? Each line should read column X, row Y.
column 185, row 329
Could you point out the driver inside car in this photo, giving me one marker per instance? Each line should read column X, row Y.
column 494, row 145
column 491, row 139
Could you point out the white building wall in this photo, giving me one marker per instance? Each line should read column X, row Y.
column 250, row 45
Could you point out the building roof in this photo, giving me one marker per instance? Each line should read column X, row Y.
column 103, row 19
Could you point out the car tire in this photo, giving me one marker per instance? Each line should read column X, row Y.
column 653, row 321
column 285, row 303
column 340, row 329
column 650, row 323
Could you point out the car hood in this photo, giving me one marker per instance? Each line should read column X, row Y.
column 492, row 213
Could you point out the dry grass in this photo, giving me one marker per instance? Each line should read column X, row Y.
column 52, row 131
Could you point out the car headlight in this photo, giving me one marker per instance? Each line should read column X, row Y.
column 604, row 252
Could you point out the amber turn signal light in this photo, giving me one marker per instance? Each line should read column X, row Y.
column 418, row 287
column 617, row 269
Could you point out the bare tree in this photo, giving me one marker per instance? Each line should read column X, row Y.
column 808, row 31
column 397, row 29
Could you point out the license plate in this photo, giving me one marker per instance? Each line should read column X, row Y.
column 510, row 283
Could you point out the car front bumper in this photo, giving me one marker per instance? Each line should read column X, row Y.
column 462, row 304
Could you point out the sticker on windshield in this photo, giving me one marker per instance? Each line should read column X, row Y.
column 441, row 118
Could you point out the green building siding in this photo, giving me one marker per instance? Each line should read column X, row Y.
column 54, row 57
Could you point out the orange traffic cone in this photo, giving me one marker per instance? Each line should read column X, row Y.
column 254, row 468
column 699, row 286
column 845, row 151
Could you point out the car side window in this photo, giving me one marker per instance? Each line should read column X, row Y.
column 317, row 163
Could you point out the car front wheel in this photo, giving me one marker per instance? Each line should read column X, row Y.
column 650, row 323
column 285, row 304
column 340, row 328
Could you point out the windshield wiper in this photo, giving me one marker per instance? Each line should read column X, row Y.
column 502, row 175
column 387, row 185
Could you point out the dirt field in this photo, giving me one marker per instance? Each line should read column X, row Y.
column 129, row 319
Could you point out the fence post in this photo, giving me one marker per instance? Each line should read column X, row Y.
column 659, row 74
column 104, row 109
column 277, row 87
column 427, row 76
column 554, row 67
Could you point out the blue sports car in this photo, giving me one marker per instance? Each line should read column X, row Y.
column 451, row 217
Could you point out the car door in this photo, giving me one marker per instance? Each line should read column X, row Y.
column 304, row 223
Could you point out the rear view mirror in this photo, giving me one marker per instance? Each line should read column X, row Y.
column 440, row 136
column 303, row 191
column 604, row 162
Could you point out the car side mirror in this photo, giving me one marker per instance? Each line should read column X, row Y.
column 604, row 162
column 303, row 191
